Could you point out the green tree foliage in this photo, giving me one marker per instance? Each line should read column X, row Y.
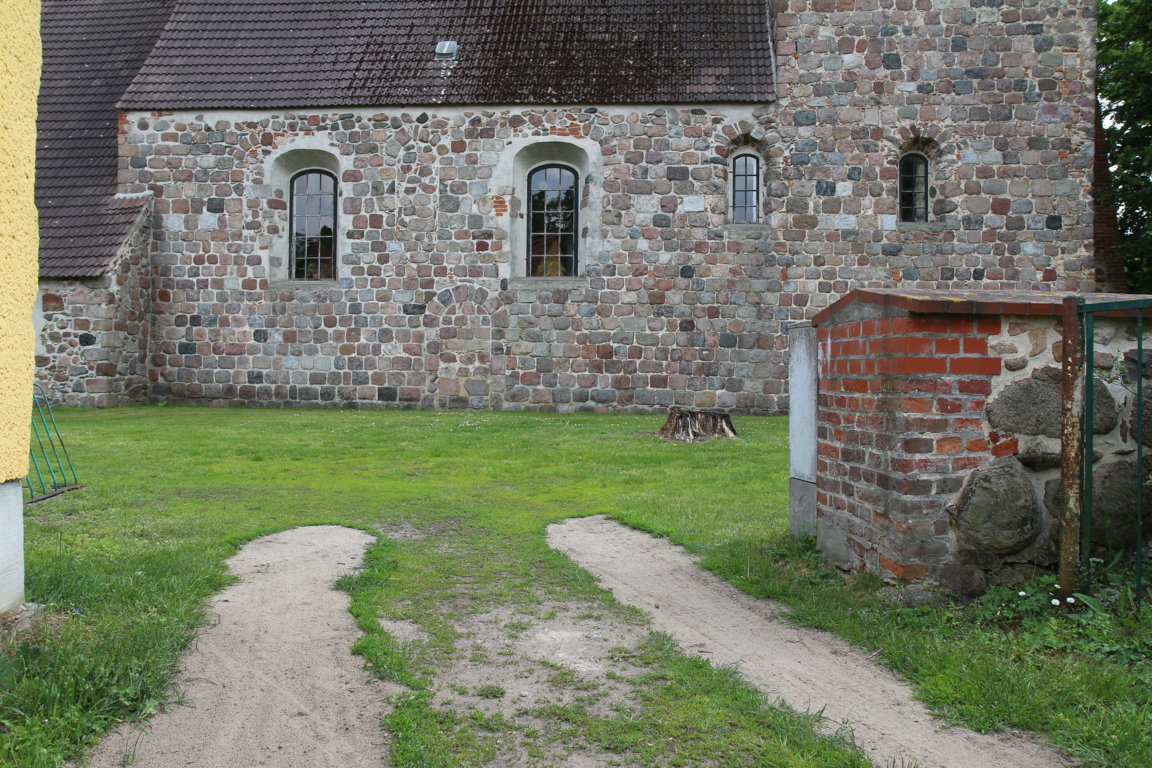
column 1124, row 49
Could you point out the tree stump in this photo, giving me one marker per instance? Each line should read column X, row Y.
column 689, row 426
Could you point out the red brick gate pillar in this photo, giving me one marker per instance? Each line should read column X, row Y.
column 902, row 387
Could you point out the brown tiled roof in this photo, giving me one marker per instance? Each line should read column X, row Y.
column 343, row 53
column 340, row 53
column 92, row 49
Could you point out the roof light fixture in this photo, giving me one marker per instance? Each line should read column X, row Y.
column 446, row 49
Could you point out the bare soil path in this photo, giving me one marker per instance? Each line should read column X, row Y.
column 808, row 669
column 271, row 680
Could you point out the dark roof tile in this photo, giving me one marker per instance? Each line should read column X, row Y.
column 92, row 49
column 200, row 54
column 354, row 53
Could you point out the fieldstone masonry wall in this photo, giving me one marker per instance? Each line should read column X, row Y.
column 428, row 309
column 431, row 308
column 939, row 433
column 92, row 345
column 999, row 94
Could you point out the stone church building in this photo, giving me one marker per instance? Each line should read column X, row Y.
column 535, row 204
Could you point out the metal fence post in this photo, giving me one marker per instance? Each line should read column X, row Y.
column 1140, row 476
column 1071, row 441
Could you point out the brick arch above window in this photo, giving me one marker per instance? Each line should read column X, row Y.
column 739, row 136
column 923, row 145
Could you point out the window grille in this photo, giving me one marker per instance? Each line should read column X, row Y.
column 313, row 219
column 746, row 189
column 553, row 211
column 913, row 188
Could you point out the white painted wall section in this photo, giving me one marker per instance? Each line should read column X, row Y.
column 802, row 402
column 11, row 546
column 802, row 391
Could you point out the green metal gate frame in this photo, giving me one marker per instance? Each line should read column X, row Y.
column 1079, row 339
column 48, row 458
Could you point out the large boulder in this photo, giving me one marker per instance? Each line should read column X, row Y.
column 1040, row 453
column 1145, row 429
column 1114, row 504
column 997, row 512
column 1032, row 406
column 962, row 580
column 1132, row 368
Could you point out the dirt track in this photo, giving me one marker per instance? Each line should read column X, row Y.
column 809, row 670
column 271, row 681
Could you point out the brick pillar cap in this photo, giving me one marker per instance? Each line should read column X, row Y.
column 953, row 302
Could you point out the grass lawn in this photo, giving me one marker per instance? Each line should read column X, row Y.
column 126, row 563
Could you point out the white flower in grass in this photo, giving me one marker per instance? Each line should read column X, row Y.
column 1023, row 593
column 1055, row 601
column 1070, row 599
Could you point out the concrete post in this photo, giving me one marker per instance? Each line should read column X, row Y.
column 11, row 546
column 802, row 391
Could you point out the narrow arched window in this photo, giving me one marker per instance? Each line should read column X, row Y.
column 746, row 189
column 913, row 187
column 313, row 217
column 553, row 213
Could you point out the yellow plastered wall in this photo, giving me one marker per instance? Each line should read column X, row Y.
column 19, row 238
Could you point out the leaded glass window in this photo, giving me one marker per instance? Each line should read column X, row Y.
column 746, row 189
column 552, row 221
column 913, row 188
column 313, row 225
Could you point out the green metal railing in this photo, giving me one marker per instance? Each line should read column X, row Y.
column 1086, row 313
column 50, row 470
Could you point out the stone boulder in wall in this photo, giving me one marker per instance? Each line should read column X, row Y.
column 1145, row 429
column 1032, row 406
column 998, row 512
column 1114, row 504
column 1131, row 369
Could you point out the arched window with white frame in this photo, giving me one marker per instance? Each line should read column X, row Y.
column 313, row 225
column 746, row 188
column 553, row 221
